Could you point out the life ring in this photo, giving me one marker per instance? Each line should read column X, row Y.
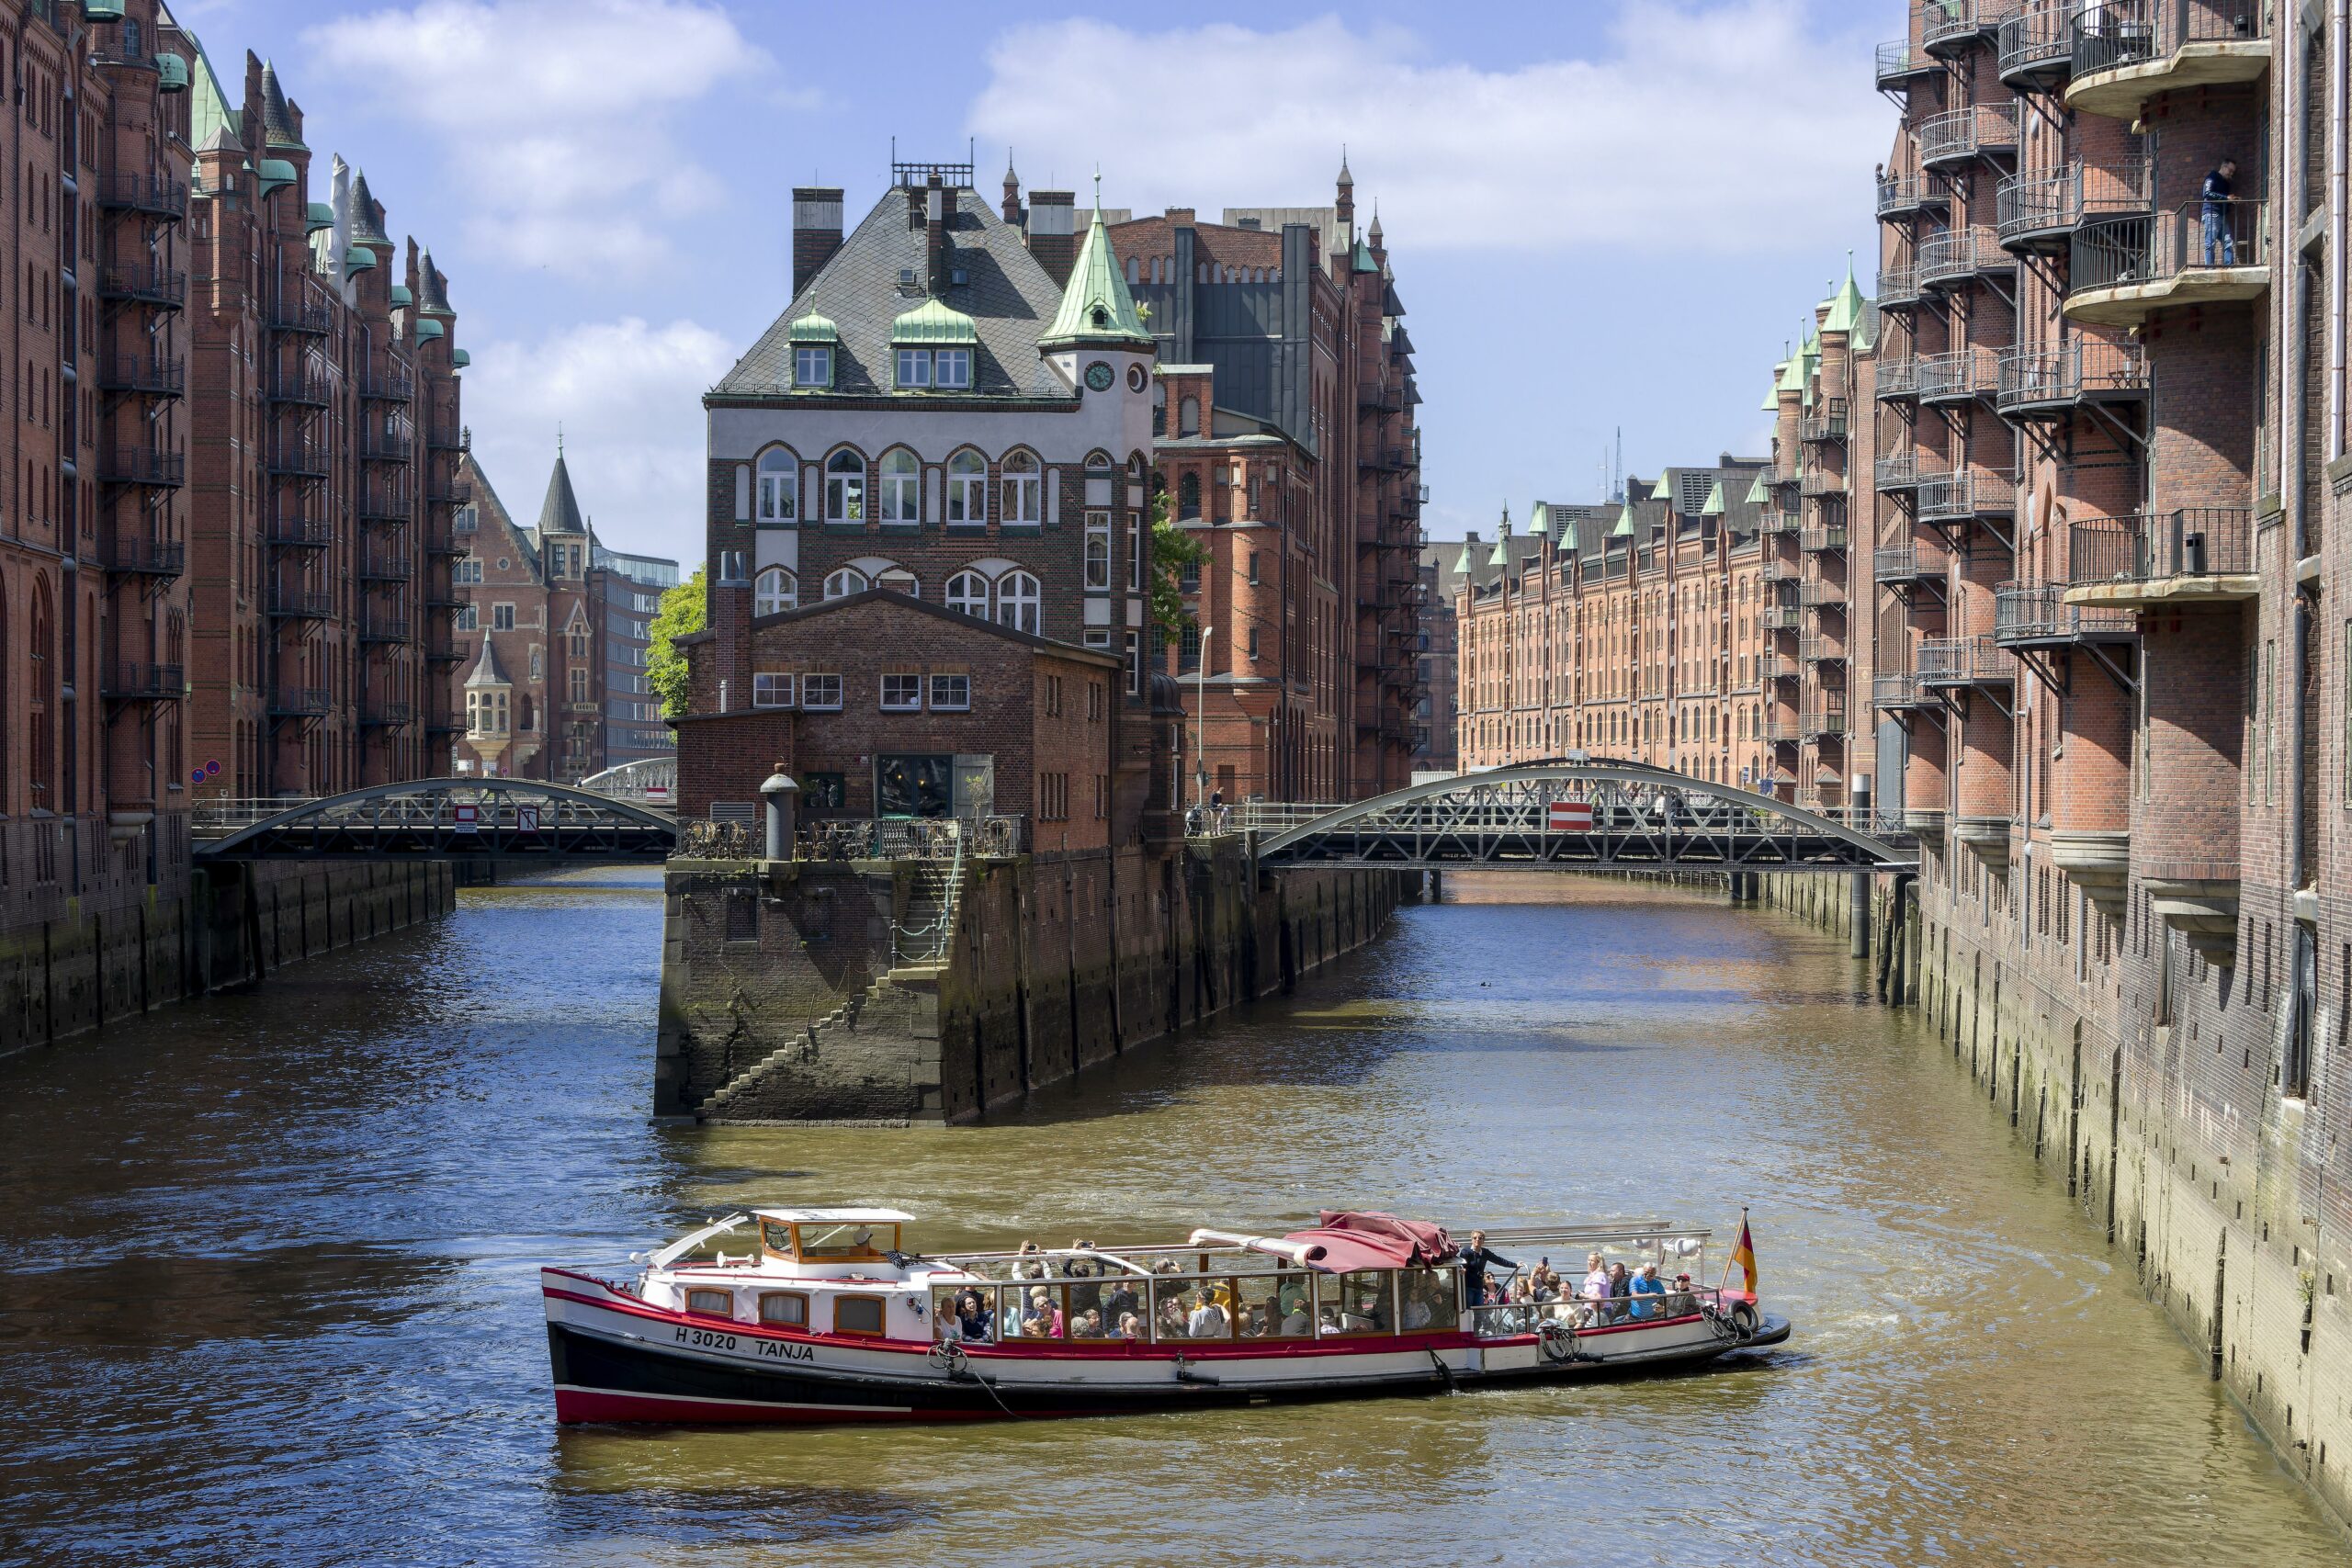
column 1558, row 1340
column 949, row 1357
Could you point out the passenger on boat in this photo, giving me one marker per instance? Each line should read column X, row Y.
column 1087, row 1325
column 1119, row 1300
column 1618, row 1292
column 1596, row 1289
column 973, row 1319
column 1295, row 1322
column 1681, row 1303
column 1083, row 1296
column 1474, row 1258
column 1648, row 1291
column 1130, row 1325
column 1172, row 1318
column 1253, row 1323
column 1029, row 1267
column 1209, row 1320
column 1043, row 1318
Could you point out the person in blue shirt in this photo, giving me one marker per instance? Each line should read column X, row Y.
column 2217, row 194
column 1645, row 1287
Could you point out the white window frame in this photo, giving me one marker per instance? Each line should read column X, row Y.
column 1098, row 552
column 774, row 591
column 846, row 581
column 951, row 367
column 911, row 687
column 468, row 570
column 967, row 490
column 913, row 368
column 1020, row 603
column 1134, row 552
column 779, row 474
column 958, row 697
column 968, row 594
column 771, row 689
column 899, row 580
column 821, row 692
column 1135, row 663
column 1024, row 491
column 845, row 488
column 900, row 488
column 812, row 364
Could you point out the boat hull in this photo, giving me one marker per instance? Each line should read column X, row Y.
column 616, row 1359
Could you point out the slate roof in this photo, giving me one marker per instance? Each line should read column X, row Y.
column 560, row 513
column 1009, row 297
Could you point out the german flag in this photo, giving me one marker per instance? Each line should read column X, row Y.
column 1743, row 1254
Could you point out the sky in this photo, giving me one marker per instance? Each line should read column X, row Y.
column 1602, row 214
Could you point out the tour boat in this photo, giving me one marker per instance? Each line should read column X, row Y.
column 823, row 1316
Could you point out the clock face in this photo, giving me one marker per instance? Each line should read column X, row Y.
column 1100, row 375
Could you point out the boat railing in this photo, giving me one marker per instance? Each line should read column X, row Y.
column 1504, row 1320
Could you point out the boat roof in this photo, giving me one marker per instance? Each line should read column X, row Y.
column 836, row 1216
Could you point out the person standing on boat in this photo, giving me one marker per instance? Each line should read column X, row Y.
column 1120, row 1300
column 1474, row 1258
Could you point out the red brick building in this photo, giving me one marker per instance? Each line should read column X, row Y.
column 322, row 438
column 1284, row 439
column 880, row 704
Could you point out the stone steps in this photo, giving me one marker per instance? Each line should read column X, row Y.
column 800, row 1048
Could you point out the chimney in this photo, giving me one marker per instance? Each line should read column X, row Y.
column 937, row 201
column 1053, row 231
column 815, row 231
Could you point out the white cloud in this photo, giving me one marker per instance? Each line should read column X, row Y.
column 628, row 396
column 553, row 115
column 1728, row 128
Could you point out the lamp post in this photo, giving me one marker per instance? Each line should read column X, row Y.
column 1200, row 726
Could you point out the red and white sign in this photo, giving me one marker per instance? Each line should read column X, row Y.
column 526, row 818
column 462, row 818
column 1572, row 816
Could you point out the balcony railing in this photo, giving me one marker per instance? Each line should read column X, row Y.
column 142, row 283
column 1949, row 24
column 1900, row 61
column 1975, row 131
column 1782, row 617
column 1776, row 522
column 1821, row 593
column 452, row 438
column 2082, row 371
column 2025, row 614
column 1827, row 719
column 383, row 625
column 1819, row 482
column 2198, row 541
column 158, row 196
column 2030, row 207
column 1908, row 563
column 301, row 533
column 380, row 447
column 2132, row 250
column 302, row 605
column 1901, row 473
column 137, row 555
column 298, row 460
column 2115, row 35
column 1964, row 661
column 300, row 702
column 1900, row 689
column 1898, row 377
column 1971, row 493
column 384, row 566
column 299, row 315
column 1821, row 650
column 1899, row 195
column 143, row 466
column 1958, row 255
column 384, row 503
column 384, row 715
column 1828, row 425
column 1777, row 571
column 1957, row 377
column 1782, row 667
column 389, row 387
column 301, row 386
column 2035, row 46
column 127, row 681
column 1781, row 731
column 1816, row 540
column 151, row 375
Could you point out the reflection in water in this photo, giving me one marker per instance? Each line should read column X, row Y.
column 272, row 1294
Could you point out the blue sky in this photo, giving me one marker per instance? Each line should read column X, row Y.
column 1600, row 214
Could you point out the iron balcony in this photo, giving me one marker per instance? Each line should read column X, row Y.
column 1907, row 196
column 383, row 566
column 1828, row 425
column 136, row 555
column 385, row 714
column 442, row 648
column 156, row 195
column 2036, row 614
column 1962, row 376
column 1777, row 571
column 1772, row 522
column 2037, row 382
column 2122, row 268
column 383, row 503
column 1958, row 137
column 1820, row 594
column 301, row 533
column 1898, row 377
column 2035, row 44
column 143, row 466
column 383, row 625
column 301, row 605
column 1898, row 564
column 2127, row 51
column 142, row 283
column 1827, row 720
column 300, row 702
column 391, row 386
column 1901, row 62
column 126, row 680
column 1964, row 661
column 1781, row 731
column 380, row 447
column 1951, row 27
column 301, row 386
column 1819, row 482
column 1821, row 650
column 1782, row 617
column 2033, row 214
column 1895, row 475
column 1959, row 256
column 1782, row 667
column 1901, row 690
column 2188, row 555
column 1898, row 288
column 1818, row 540
column 445, row 438
column 1966, row 495
column 144, row 375
column 298, row 460
column 297, row 315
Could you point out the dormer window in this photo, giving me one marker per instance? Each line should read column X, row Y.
column 933, row 345
column 914, row 368
column 812, row 366
column 951, row 367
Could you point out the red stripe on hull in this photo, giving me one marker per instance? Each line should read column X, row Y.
column 577, row 1406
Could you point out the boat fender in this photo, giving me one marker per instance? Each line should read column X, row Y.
column 1743, row 1318
column 1445, row 1373
column 1558, row 1340
column 1185, row 1373
column 949, row 1357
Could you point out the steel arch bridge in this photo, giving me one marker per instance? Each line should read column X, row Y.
column 455, row 819
column 1621, row 816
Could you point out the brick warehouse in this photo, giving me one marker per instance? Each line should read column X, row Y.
column 2093, row 433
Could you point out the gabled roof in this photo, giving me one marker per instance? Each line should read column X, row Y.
column 490, row 513
column 878, row 274
column 1096, row 307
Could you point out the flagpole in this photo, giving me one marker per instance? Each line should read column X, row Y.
column 1730, row 1252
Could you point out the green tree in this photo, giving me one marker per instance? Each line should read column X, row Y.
column 681, row 614
column 1172, row 549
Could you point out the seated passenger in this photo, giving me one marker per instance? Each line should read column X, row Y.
column 1087, row 1325
column 1648, row 1292
column 1130, row 1325
column 973, row 1319
column 1253, row 1323
column 1042, row 1319
column 1296, row 1323
column 1681, row 1303
column 1171, row 1319
column 1416, row 1315
column 1618, row 1293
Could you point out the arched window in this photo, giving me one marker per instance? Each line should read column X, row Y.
column 1023, row 489
column 844, row 582
column 899, row 580
column 1188, row 417
column 901, row 487
column 779, row 486
column 1135, row 270
column 968, row 594
column 967, row 489
column 775, row 590
column 845, row 488
column 1017, row 602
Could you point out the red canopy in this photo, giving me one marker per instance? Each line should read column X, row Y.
column 1349, row 1239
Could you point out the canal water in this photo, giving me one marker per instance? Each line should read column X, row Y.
column 269, row 1297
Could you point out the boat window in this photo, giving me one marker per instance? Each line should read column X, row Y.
column 1034, row 1312
column 1193, row 1309
column 856, row 1242
column 1427, row 1301
column 787, row 1309
column 777, row 1237
column 963, row 1311
column 1356, row 1303
column 717, row 1303
column 1277, row 1306
column 857, row 1314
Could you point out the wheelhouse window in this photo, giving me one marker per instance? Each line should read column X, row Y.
column 820, row 692
column 845, row 488
column 771, row 690
column 951, row 693
column 1018, row 598
column 1024, row 491
column 968, row 489
column 901, row 691
column 844, row 1241
column 776, row 590
column 968, row 594
column 901, row 487
column 779, row 486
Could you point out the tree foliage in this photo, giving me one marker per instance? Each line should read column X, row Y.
column 1172, row 549
column 682, row 614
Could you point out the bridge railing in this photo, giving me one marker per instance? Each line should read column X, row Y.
column 922, row 838
column 218, row 819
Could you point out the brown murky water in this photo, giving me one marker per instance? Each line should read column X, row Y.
column 270, row 1294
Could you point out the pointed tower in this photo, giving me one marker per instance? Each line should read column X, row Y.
column 1345, row 207
column 490, row 700
column 562, row 531
column 1012, row 209
column 1097, row 321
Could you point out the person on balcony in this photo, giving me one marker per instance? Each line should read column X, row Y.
column 2217, row 196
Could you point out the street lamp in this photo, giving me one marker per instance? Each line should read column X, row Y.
column 1200, row 725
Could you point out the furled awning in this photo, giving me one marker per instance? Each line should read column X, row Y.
column 1349, row 1239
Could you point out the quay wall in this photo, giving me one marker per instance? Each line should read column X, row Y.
column 782, row 1000
column 82, row 960
column 2148, row 1079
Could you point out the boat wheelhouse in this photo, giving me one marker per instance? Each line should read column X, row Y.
column 823, row 1315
